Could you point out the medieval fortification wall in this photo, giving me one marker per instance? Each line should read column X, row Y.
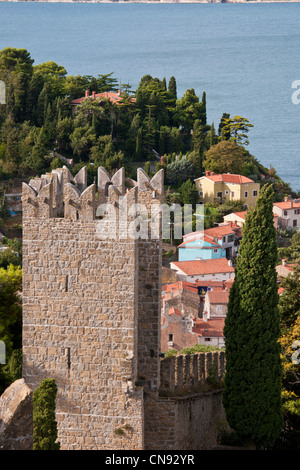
column 91, row 317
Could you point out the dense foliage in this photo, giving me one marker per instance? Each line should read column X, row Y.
column 44, row 423
column 39, row 128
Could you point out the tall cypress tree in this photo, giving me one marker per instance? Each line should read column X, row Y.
column 252, row 394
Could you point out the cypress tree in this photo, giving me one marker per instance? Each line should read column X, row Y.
column 44, row 423
column 252, row 393
column 172, row 88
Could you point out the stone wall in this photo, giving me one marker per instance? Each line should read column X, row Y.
column 188, row 372
column 190, row 422
column 90, row 319
column 91, row 316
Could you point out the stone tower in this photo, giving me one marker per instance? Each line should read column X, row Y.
column 91, row 302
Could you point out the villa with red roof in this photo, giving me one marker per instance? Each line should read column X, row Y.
column 219, row 269
column 216, row 242
column 227, row 187
column 288, row 213
column 112, row 96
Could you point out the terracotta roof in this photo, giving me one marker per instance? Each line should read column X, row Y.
column 287, row 204
column 241, row 214
column 114, row 97
column 174, row 311
column 218, row 297
column 212, row 327
column 228, row 178
column 204, row 238
column 179, row 285
column 221, row 230
column 209, row 266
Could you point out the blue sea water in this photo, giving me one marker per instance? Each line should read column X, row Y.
column 244, row 56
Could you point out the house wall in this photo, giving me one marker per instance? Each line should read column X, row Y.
column 192, row 253
column 210, row 190
column 290, row 220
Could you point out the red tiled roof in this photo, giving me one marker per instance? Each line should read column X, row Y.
column 182, row 285
column 211, row 327
column 174, row 311
column 229, row 178
column 221, row 230
column 287, row 204
column 209, row 266
column 218, row 297
column 114, row 97
column 241, row 214
column 205, row 238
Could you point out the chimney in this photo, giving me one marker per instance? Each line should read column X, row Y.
column 87, row 93
column 292, row 203
column 286, row 198
column 207, row 173
column 119, row 92
column 229, row 262
column 94, row 95
column 283, row 262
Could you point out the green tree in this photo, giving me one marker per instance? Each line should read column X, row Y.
column 172, row 88
column 10, row 308
column 189, row 193
column 253, row 379
column 16, row 71
column 44, row 423
column 289, row 302
column 238, row 128
column 188, row 110
column 228, row 157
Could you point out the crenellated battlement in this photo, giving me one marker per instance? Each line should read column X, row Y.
column 60, row 194
column 187, row 372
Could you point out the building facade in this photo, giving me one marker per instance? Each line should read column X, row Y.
column 227, row 187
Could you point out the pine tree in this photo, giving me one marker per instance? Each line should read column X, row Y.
column 252, row 394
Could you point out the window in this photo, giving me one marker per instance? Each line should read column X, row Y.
column 207, row 339
column 226, row 192
column 201, row 193
column 246, row 193
column 216, row 250
column 285, row 213
column 170, row 337
column 255, row 193
column 219, row 194
column 232, row 193
column 294, row 223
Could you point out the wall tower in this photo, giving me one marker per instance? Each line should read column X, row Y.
column 91, row 301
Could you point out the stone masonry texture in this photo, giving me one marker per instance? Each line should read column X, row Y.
column 91, row 311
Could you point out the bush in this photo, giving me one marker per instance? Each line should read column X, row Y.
column 44, row 424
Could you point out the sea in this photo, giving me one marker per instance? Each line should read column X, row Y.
column 245, row 56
